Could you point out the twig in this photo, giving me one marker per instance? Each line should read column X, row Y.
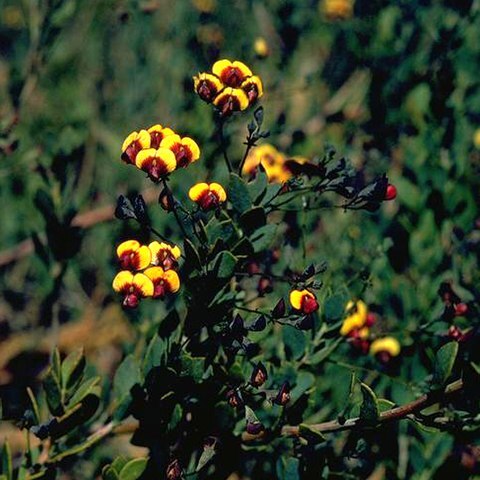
column 397, row 413
column 221, row 123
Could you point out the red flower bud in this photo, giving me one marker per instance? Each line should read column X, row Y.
column 234, row 398
column 264, row 286
column 461, row 309
column 283, row 396
column 371, row 319
column 391, row 192
column 174, row 471
column 254, row 428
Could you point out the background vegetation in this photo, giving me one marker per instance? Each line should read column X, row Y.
column 394, row 87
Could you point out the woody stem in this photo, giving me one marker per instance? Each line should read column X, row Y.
column 223, row 143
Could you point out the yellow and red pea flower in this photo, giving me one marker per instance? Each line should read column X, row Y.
column 185, row 149
column 356, row 318
column 338, row 9
column 231, row 100
column 164, row 255
column 304, row 301
column 134, row 143
column 385, row 348
column 157, row 134
column 231, row 74
column 207, row 196
column 156, row 162
column 271, row 160
column 133, row 256
column 253, row 88
column 207, row 86
column 164, row 281
column 133, row 286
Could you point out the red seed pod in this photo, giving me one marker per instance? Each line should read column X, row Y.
column 461, row 309
column 391, row 192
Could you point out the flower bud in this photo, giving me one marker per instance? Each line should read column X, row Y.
column 259, row 375
column 461, row 309
column 166, row 201
column 391, row 192
column 279, row 309
column 283, row 396
column 264, row 286
column 371, row 319
column 234, row 398
column 454, row 333
column 254, row 428
column 174, row 471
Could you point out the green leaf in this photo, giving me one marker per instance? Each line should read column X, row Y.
column 90, row 386
column 224, row 264
column 311, row 435
column 369, row 411
column 250, row 415
column 53, row 392
column 263, row 237
column 272, row 192
column 127, row 375
column 253, row 219
column 219, row 230
column 237, row 194
column 334, row 307
column 108, row 473
column 444, row 361
column 33, row 401
column 155, row 355
column 73, row 368
column 192, row 257
column 258, row 186
column 133, row 469
column 324, row 353
column 384, row 405
column 119, row 463
column 295, row 342
column 287, row 469
column 207, row 454
column 176, row 417
column 193, row 367
column 7, row 467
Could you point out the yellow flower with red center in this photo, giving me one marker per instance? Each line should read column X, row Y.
column 164, row 255
column 356, row 318
column 385, row 348
column 207, row 196
column 207, row 86
column 304, row 301
column 271, row 160
column 232, row 74
column 133, row 256
column 156, row 162
column 134, row 143
column 185, row 149
column 253, row 88
column 133, row 286
column 231, row 100
column 338, row 9
column 157, row 134
column 164, row 281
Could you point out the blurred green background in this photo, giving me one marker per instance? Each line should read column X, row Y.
column 393, row 85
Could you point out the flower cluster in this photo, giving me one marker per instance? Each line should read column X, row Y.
column 231, row 86
column 273, row 162
column 158, row 151
column 147, row 271
column 357, row 328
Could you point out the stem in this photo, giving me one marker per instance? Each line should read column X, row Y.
column 397, row 413
column 249, row 144
column 223, row 144
column 171, row 201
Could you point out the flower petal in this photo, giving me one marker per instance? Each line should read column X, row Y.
column 122, row 281
column 197, row 191
column 143, row 284
column 219, row 190
column 127, row 246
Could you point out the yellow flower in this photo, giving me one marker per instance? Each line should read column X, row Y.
column 207, row 196
column 207, row 86
column 260, row 47
column 476, row 138
column 232, row 74
column 303, row 301
column 357, row 317
column 164, row 281
column 338, row 9
column 157, row 163
column 133, row 256
column 231, row 100
column 164, row 255
column 133, row 287
column 185, row 149
column 253, row 87
column 271, row 160
column 135, row 142
column 157, row 134
column 387, row 345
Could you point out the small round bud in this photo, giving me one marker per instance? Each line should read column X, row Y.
column 391, row 192
column 461, row 309
column 259, row 375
